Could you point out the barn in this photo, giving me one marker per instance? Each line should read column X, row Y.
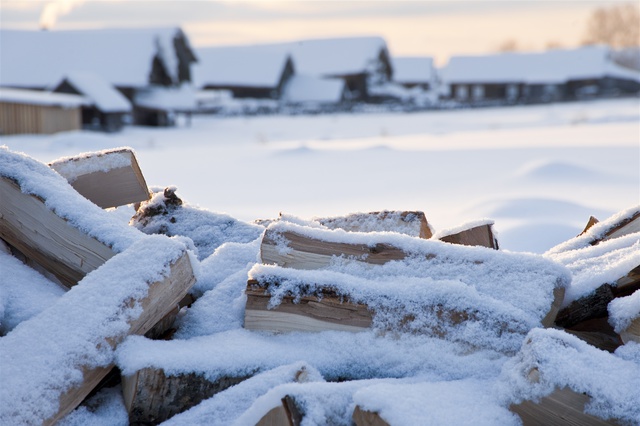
column 30, row 111
column 128, row 59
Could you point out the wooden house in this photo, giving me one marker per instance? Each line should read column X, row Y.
column 245, row 71
column 131, row 60
column 555, row 75
column 108, row 110
column 30, row 111
column 311, row 91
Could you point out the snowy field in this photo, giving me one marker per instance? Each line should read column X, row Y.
column 538, row 171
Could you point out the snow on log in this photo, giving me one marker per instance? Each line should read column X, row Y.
column 479, row 233
column 51, row 225
column 624, row 316
column 47, row 371
column 413, row 223
column 600, row 273
column 557, row 379
column 385, row 266
column 367, row 418
column 108, row 178
column 619, row 225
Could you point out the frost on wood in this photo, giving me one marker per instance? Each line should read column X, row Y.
column 167, row 214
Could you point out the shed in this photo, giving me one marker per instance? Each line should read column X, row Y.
column 246, row 71
column 30, row 111
column 108, row 109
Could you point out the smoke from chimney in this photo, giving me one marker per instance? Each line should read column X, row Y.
column 54, row 9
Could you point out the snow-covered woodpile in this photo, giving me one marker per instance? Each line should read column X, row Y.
column 183, row 316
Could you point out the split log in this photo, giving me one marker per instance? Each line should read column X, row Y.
column 560, row 408
column 412, row 223
column 304, row 252
column 626, row 226
column 595, row 304
column 632, row 332
column 288, row 413
column 311, row 313
column 109, row 178
column 597, row 332
column 45, row 238
column 481, row 235
column 141, row 310
column 592, row 221
column 151, row 396
column 367, row 418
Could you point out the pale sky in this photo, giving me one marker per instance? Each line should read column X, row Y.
column 414, row 28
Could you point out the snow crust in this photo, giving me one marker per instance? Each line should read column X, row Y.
column 44, row 357
column 91, row 162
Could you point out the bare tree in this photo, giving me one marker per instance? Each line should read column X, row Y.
column 617, row 26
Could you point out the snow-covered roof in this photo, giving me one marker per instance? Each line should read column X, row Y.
column 553, row 66
column 103, row 95
column 413, row 69
column 37, row 97
column 123, row 57
column 248, row 66
column 306, row 88
column 181, row 98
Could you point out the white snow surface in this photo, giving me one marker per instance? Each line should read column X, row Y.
column 413, row 70
column 385, row 221
column 181, row 98
column 103, row 95
column 624, row 310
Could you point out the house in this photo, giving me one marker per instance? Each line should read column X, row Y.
column 108, row 110
column 31, row 111
column 161, row 106
column 361, row 62
column 410, row 72
column 538, row 76
column 128, row 59
column 314, row 92
column 245, row 71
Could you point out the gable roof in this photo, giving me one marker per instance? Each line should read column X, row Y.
column 413, row 69
column 122, row 57
column 37, row 97
column 554, row 66
column 335, row 56
column 104, row 96
column 239, row 66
